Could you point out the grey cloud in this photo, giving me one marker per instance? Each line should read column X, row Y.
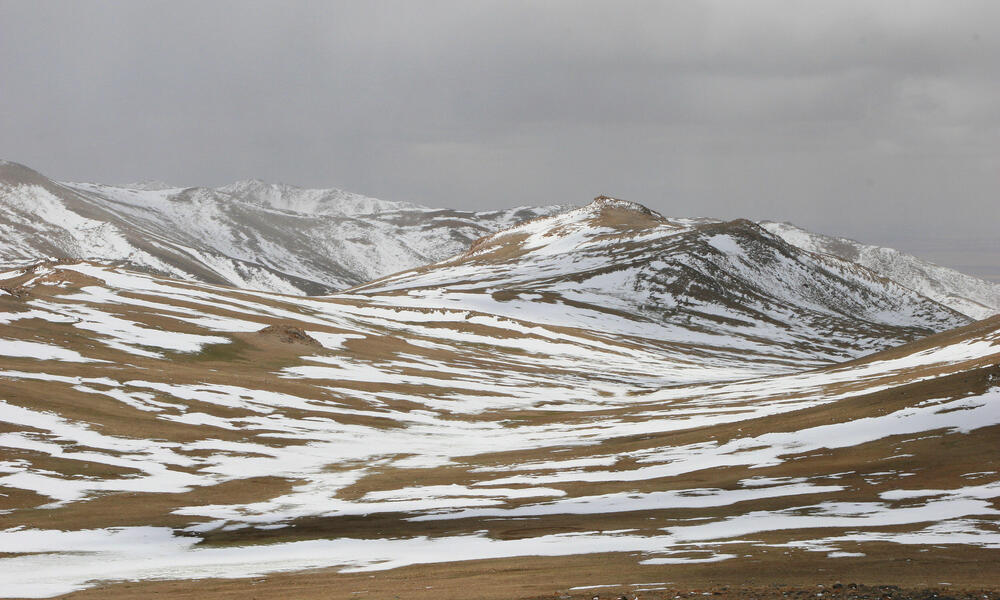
column 877, row 120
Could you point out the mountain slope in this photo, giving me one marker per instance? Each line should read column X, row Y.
column 968, row 295
column 713, row 287
column 249, row 234
column 158, row 429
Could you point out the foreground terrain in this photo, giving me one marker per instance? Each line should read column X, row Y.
column 601, row 402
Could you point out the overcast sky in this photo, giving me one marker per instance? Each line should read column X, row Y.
column 879, row 120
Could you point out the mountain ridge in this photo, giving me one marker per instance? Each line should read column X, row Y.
column 626, row 269
column 972, row 296
column 279, row 237
column 223, row 237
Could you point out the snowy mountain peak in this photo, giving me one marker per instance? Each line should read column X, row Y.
column 331, row 201
column 604, row 216
column 149, row 185
column 257, row 186
column 603, row 202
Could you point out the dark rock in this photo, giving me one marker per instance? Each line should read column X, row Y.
column 288, row 334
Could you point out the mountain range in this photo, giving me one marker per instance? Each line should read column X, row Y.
column 281, row 238
column 249, row 234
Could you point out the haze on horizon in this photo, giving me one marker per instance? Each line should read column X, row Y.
column 876, row 121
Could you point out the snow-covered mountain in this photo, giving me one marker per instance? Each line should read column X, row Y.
column 249, row 234
column 710, row 288
column 280, row 196
column 968, row 295
column 285, row 239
